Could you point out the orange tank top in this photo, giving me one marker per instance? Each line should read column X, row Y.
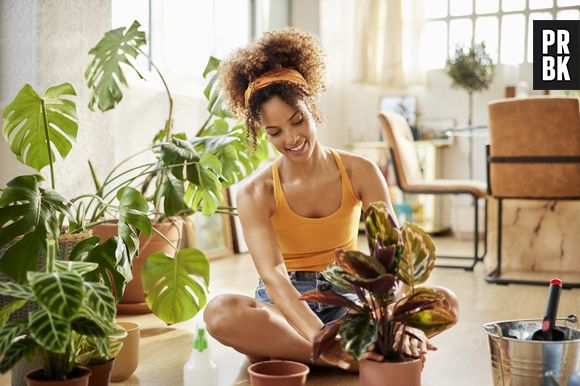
column 308, row 244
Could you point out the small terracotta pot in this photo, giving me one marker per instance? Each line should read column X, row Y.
column 278, row 373
column 80, row 374
column 101, row 374
column 373, row 373
column 127, row 361
column 133, row 301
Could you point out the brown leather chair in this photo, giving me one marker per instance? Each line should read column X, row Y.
column 534, row 153
column 410, row 179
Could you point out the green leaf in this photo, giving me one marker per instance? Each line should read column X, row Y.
column 171, row 283
column 380, row 225
column 112, row 274
column 359, row 265
column 172, row 193
column 99, row 299
column 90, row 323
column 427, row 309
column 60, row 292
column 9, row 331
column 79, row 267
column 16, row 351
column 418, row 257
column 9, row 308
column 133, row 220
column 32, row 213
column 52, row 333
column 104, row 74
column 358, row 332
column 16, row 291
column 211, row 66
column 24, row 125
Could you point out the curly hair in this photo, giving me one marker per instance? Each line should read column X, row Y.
column 286, row 48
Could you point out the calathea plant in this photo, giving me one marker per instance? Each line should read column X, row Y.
column 67, row 305
column 188, row 173
column 379, row 317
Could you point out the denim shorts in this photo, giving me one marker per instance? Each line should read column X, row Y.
column 305, row 281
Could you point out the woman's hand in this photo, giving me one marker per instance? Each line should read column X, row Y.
column 415, row 345
column 336, row 357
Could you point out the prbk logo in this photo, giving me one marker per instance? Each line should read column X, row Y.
column 556, row 54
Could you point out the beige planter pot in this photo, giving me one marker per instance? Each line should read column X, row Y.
column 133, row 301
column 127, row 361
column 373, row 373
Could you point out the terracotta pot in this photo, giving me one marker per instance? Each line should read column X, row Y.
column 127, row 361
column 373, row 373
column 101, row 374
column 80, row 374
column 278, row 373
column 133, row 301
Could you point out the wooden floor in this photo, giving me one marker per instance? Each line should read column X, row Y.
column 462, row 357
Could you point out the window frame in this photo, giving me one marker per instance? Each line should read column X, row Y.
column 499, row 14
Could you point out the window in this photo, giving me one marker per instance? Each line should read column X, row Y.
column 183, row 34
column 504, row 25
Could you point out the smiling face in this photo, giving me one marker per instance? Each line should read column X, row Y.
column 291, row 130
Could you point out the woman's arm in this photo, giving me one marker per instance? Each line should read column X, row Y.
column 254, row 214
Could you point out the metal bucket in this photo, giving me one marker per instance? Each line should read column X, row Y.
column 517, row 361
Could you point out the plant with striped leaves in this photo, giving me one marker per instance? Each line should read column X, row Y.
column 382, row 313
column 67, row 305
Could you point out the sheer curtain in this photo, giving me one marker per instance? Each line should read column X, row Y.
column 388, row 34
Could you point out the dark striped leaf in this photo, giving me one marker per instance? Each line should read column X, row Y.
column 16, row 351
column 358, row 332
column 60, row 292
column 49, row 331
column 99, row 299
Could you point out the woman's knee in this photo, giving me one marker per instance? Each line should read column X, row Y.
column 221, row 313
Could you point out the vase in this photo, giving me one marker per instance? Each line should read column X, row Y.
column 80, row 377
column 101, row 374
column 127, row 361
column 372, row 373
column 133, row 300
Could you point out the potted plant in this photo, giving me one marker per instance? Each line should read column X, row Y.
column 380, row 320
column 67, row 305
column 188, row 174
column 472, row 70
column 36, row 129
column 98, row 353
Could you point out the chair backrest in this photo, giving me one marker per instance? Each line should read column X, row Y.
column 543, row 134
column 397, row 133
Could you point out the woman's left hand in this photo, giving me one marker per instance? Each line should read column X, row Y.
column 415, row 343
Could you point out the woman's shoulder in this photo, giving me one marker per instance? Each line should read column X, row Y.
column 258, row 189
column 354, row 163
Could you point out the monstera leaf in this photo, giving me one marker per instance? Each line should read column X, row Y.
column 170, row 284
column 28, row 214
column 418, row 257
column 133, row 220
column 104, row 74
column 211, row 92
column 37, row 126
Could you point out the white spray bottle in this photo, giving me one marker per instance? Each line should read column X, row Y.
column 200, row 369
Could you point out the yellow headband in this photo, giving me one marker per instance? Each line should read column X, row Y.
column 273, row 76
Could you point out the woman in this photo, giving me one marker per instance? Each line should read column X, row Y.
column 295, row 213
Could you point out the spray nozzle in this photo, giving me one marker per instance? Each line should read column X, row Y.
column 200, row 342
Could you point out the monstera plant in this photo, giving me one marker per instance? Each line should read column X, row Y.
column 399, row 258
column 67, row 305
column 188, row 173
column 38, row 128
